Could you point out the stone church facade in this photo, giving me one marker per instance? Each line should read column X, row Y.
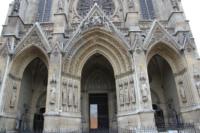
column 127, row 63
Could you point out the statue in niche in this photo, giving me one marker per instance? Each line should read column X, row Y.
column 131, row 5
column 75, row 96
column 70, row 95
column 182, row 92
column 13, row 97
column 64, row 96
column 144, row 92
column 52, row 95
column 60, row 6
column 198, row 87
column 144, row 88
column 126, row 94
column 121, row 95
column 197, row 84
column 132, row 92
column 16, row 7
column 53, row 79
column 175, row 5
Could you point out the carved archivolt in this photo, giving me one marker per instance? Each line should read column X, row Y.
column 97, row 41
column 17, row 67
column 22, row 59
column 178, row 65
column 174, row 58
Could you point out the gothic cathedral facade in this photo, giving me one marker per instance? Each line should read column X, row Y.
column 92, row 64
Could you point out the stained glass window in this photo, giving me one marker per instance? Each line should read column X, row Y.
column 44, row 10
column 147, row 9
column 84, row 6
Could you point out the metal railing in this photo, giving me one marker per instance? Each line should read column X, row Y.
column 180, row 128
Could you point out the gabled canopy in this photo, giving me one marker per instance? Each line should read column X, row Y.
column 96, row 17
column 34, row 37
column 159, row 34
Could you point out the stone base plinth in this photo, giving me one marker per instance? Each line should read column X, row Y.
column 135, row 120
column 62, row 122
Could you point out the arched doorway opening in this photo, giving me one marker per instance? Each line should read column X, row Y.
column 163, row 92
column 32, row 96
column 98, row 95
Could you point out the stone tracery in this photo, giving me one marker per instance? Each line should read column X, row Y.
column 84, row 6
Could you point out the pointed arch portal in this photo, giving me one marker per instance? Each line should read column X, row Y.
column 26, row 89
column 98, row 94
column 165, row 102
column 32, row 96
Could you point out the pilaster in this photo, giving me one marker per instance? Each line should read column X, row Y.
column 53, row 89
column 192, row 76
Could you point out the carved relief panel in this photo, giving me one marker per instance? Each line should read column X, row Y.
column 70, row 94
column 126, row 93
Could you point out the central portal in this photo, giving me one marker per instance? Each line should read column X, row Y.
column 99, row 118
column 98, row 95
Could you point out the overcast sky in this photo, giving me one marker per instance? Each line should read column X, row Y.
column 191, row 7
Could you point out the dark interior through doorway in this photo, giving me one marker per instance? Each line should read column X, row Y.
column 98, row 107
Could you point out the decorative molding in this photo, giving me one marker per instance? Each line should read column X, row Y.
column 15, row 78
column 124, row 74
column 158, row 34
column 35, row 36
column 71, row 76
column 96, row 17
column 181, row 72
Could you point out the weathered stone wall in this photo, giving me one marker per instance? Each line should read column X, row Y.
column 125, row 39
